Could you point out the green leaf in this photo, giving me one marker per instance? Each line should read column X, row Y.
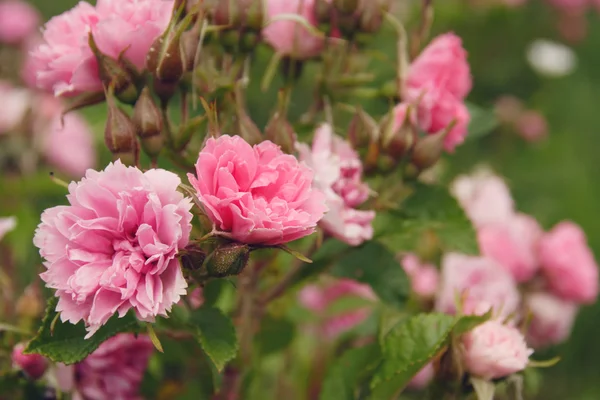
column 406, row 349
column 346, row 373
column 64, row 342
column 483, row 121
column 375, row 265
column 430, row 210
column 216, row 334
column 468, row 322
column 275, row 335
column 328, row 253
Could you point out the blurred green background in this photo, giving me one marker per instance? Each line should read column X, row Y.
column 555, row 179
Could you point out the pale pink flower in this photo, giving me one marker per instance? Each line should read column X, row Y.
column 532, row 126
column 475, row 280
column 423, row 378
column 259, row 195
column 570, row 6
column 114, row 247
column 34, row 365
column 319, row 298
column 513, row 243
column 552, row 319
column 484, row 197
column 288, row 37
column 7, row 224
column 493, row 350
column 18, row 20
column 424, row 277
column 568, row 263
column 65, row 64
column 114, row 371
column 15, row 104
column 338, row 173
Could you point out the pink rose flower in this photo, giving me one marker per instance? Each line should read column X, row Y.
column 318, row 298
column 15, row 104
column 477, row 280
column 18, row 20
column 288, row 37
column 338, row 173
column 424, row 277
column 552, row 319
column 34, row 365
column 65, row 63
column 114, row 371
column 532, row 126
column 114, row 247
column 258, row 194
column 423, row 378
column 484, row 197
column 493, row 350
column 513, row 244
column 570, row 6
column 7, row 224
column 568, row 263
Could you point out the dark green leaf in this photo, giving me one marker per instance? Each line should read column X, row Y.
column 66, row 344
column 483, row 121
column 329, row 252
column 275, row 335
column 468, row 322
column 429, row 210
column 216, row 334
column 346, row 373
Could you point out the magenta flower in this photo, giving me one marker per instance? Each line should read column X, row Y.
column 34, row 365
column 568, row 264
column 338, row 173
column 114, row 247
column 18, row 20
column 64, row 63
column 552, row 319
column 259, row 195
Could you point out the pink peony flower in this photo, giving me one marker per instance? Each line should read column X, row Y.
column 288, row 37
column 114, row 248
column 532, row 126
column 568, row 263
column 258, row 194
column 484, row 197
column 513, row 244
column 477, row 280
column 424, row 278
column 66, row 142
column 15, row 104
column 318, row 298
column 338, row 173
column 493, row 350
column 7, row 224
column 113, row 372
column 422, row 378
column 65, row 64
column 18, row 20
column 552, row 319
column 34, row 365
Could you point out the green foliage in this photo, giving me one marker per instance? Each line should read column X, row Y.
column 64, row 342
column 275, row 335
column 483, row 122
column 430, row 210
column 216, row 334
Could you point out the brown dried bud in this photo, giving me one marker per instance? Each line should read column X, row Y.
column 362, row 129
column 428, row 150
column 281, row 132
column 228, row 259
column 119, row 133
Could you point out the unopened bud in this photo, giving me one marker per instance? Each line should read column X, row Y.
column 281, row 132
column 193, row 257
column 362, row 129
column 346, row 6
column 165, row 60
column 30, row 304
column 371, row 16
column 148, row 123
column 115, row 73
column 239, row 14
column 397, row 137
column 189, row 45
column 119, row 133
column 428, row 150
column 228, row 259
column 34, row 365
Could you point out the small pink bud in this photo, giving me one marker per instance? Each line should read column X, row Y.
column 119, row 132
column 428, row 150
column 34, row 365
column 362, row 130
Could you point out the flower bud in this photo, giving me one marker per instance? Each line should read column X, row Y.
column 119, row 133
column 165, row 59
column 30, row 304
column 193, row 257
column 148, row 124
column 228, row 259
column 362, row 129
column 116, row 74
column 428, row 150
column 239, row 14
column 34, row 365
column 397, row 136
column 189, row 45
column 371, row 17
column 281, row 132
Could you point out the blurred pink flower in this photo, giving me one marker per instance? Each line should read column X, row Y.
column 552, row 319
column 318, row 298
column 532, row 126
column 422, row 378
column 34, row 365
column 424, row 277
column 508, row 108
column 258, row 194
column 477, row 280
column 65, row 64
column 288, row 37
column 338, row 173
column 513, row 244
column 196, row 297
column 15, row 104
column 568, row 263
column 484, row 197
column 7, row 224
column 114, row 248
column 18, row 20
column 493, row 350
column 570, row 6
